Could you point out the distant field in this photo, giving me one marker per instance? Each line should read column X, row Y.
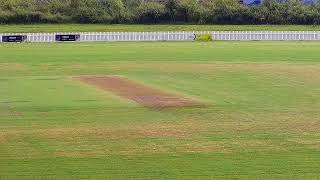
column 147, row 28
column 261, row 119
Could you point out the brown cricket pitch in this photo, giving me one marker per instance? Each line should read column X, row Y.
column 141, row 94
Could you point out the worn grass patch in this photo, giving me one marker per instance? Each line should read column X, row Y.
column 131, row 131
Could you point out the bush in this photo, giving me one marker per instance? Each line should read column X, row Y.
column 203, row 37
column 5, row 16
column 57, row 18
column 151, row 12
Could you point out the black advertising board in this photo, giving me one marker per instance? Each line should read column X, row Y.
column 67, row 37
column 14, row 38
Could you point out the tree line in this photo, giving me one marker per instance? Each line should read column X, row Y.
column 173, row 11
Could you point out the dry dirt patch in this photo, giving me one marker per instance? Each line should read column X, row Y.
column 3, row 138
column 141, row 94
column 180, row 134
column 12, row 66
column 146, row 130
column 6, row 136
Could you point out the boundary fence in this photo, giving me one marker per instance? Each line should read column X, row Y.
column 173, row 36
column 266, row 35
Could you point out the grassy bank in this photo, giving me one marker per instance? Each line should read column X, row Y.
column 135, row 28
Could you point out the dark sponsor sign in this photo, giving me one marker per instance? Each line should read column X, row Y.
column 14, row 38
column 67, row 37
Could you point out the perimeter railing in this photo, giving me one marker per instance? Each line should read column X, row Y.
column 175, row 36
column 266, row 35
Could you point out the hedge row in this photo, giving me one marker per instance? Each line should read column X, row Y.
column 174, row 11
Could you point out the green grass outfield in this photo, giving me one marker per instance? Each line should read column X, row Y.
column 262, row 120
column 148, row 28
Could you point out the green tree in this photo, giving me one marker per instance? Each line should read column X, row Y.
column 151, row 12
column 189, row 9
column 172, row 9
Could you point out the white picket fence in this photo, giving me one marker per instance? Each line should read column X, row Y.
column 177, row 36
column 266, row 35
column 111, row 36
